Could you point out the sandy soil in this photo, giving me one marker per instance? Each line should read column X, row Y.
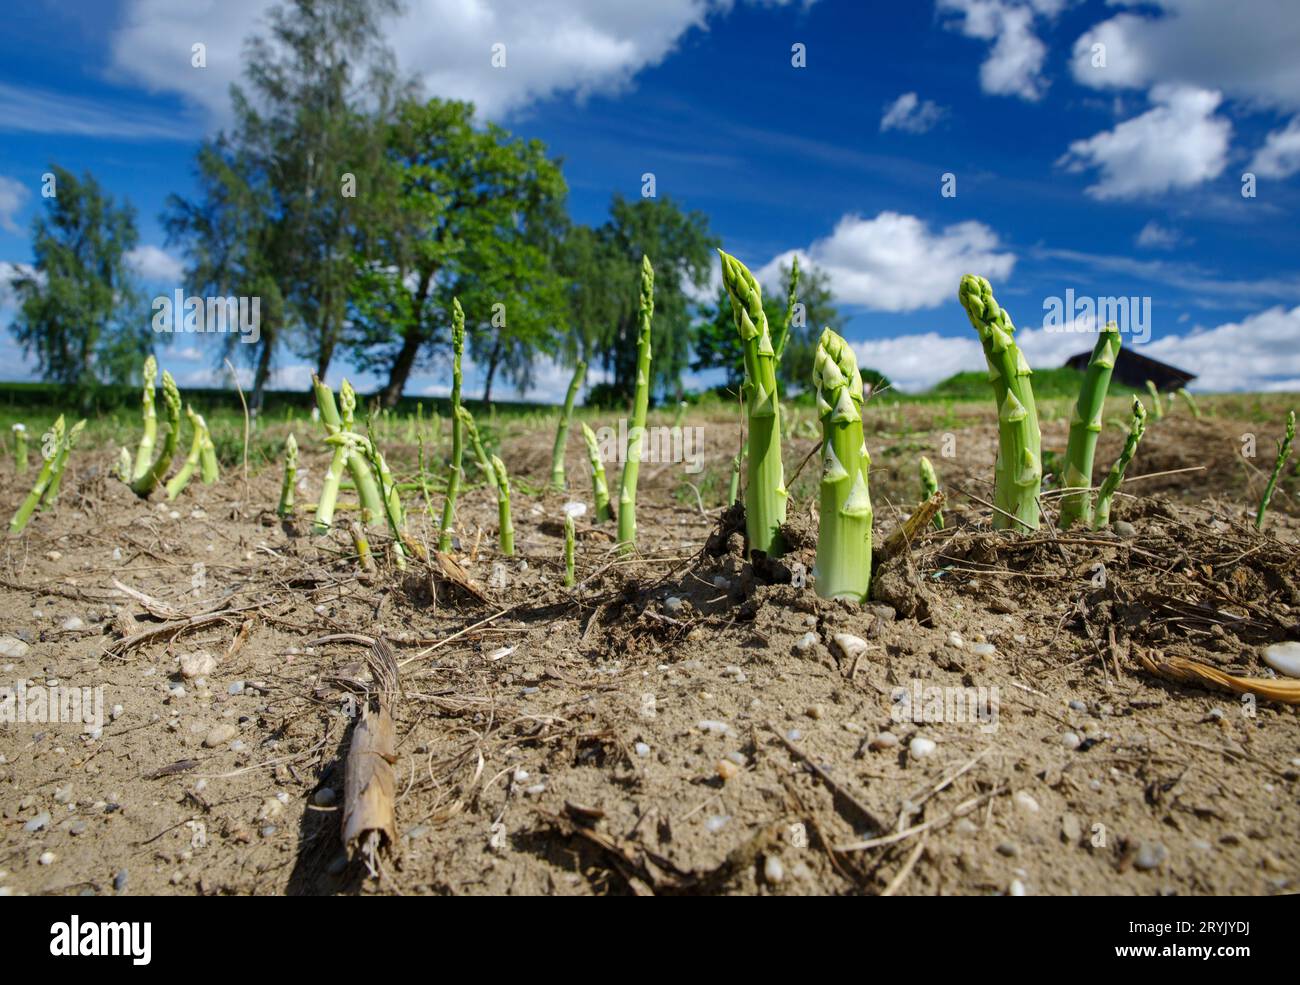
column 675, row 724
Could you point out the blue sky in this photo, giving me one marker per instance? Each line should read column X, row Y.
column 1102, row 171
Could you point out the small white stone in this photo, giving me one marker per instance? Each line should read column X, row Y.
column 921, row 747
column 716, row 823
column 1026, row 802
column 713, row 726
column 642, row 749
column 1284, row 658
column 48, row 858
column 984, row 649
column 954, row 639
column 575, row 509
column 197, row 664
column 1017, row 888
column 885, row 740
column 773, row 870
column 73, row 624
column 11, row 646
column 849, row 645
column 1070, row 740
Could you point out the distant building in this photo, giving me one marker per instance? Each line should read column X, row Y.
column 1134, row 369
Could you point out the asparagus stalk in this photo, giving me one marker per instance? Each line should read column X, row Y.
column 562, row 429
column 506, row 530
column 424, row 478
column 457, row 428
column 1019, row 470
column 20, row 449
column 209, row 472
column 843, row 567
column 329, row 416
column 360, row 445
column 569, row 537
column 290, row 476
column 182, row 478
column 1106, row 493
column 144, row 452
column 1085, row 427
column 733, row 490
column 372, row 504
column 599, row 488
column 1191, row 404
column 153, row 475
column 765, row 494
column 1157, row 411
column 484, row 462
column 1283, row 452
column 362, row 546
column 930, row 486
column 636, row 435
column 47, row 480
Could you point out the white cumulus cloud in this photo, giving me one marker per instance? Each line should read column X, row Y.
column 551, row 47
column 12, row 196
column 1178, row 143
column 1015, row 61
column 1257, row 353
column 155, row 265
column 1243, row 48
column 895, row 262
column 1157, row 237
column 1280, row 155
column 910, row 114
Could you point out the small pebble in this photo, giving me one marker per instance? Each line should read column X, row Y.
column 727, row 769
column 794, row 735
column 921, row 747
column 120, row 880
column 236, row 688
column 885, row 740
column 1150, row 855
column 672, row 604
column 1125, row 529
column 220, row 734
column 716, row 823
column 642, row 749
column 1008, row 849
column 11, row 646
column 1070, row 740
column 954, row 639
column 714, row 726
column 77, row 828
column 1284, row 658
column 773, row 870
column 805, row 642
column 200, row 663
column 1017, row 888
column 48, row 858
column 38, row 823
column 984, row 649
column 324, row 797
column 815, row 712
column 1077, row 705
column 73, row 624
column 849, row 645
column 117, row 712
column 1025, row 801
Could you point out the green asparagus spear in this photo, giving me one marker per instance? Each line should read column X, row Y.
column 1191, row 404
column 506, row 530
column 562, row 428
column 599, row 489
column 1085, row 426
column 1283, row 452
column 1101, row 516
column 765, row 494
column 484, row 462
column 930, row 486
column 182, row 478
column 457, row 428
column 1019, row 471
column 144, row 453
column 636, row 435
column 153, row 475
column 290, row 476
column 844, row 535
column 1157, row 411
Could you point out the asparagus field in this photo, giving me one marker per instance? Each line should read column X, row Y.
column 1043, row 645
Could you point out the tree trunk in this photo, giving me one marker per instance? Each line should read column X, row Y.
column 494, row 360
column 397, row 376
column 324, row 356
column 261, row 374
